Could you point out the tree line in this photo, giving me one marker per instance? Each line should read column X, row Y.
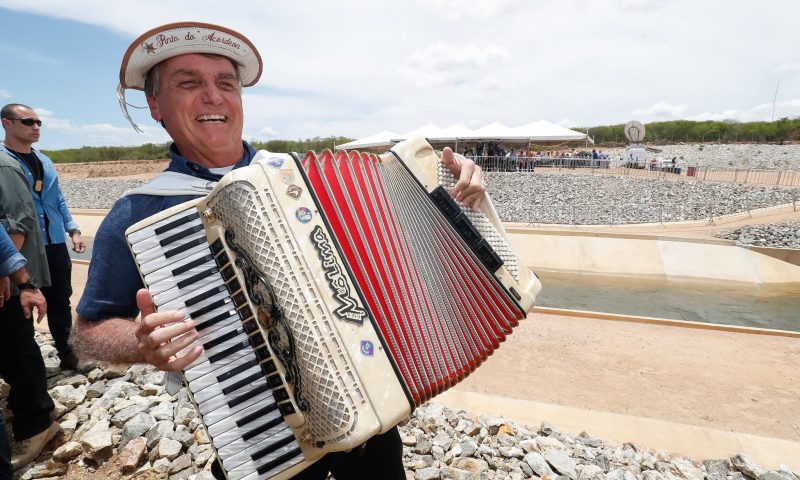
column 688, row 131
column 156, row 151
column 676, row 131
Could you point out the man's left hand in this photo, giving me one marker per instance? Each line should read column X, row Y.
column 469, row 188
column 77, row 242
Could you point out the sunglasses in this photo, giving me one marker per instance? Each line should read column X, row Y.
column 29, row 122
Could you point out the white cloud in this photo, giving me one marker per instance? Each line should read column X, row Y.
column 662, row 109
column 268, row 132
column 789, row 67
column 473, row 9
column 4, row 94
column 442, row 64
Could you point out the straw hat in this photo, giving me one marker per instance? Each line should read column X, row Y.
column 173, row 39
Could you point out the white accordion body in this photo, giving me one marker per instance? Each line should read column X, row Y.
column 331, row 297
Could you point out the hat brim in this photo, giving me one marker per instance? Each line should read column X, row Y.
column 173, row 39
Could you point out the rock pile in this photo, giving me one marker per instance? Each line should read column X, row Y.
column 123, row 416
column 557, row 197
column 781, row 235
column 563, row 198
column 744, row 155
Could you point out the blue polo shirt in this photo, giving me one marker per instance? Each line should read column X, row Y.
column 113, row 276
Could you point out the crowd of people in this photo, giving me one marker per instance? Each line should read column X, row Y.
column 192, row 75
column 494, row 156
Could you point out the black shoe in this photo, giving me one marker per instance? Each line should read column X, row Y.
column 68, row 361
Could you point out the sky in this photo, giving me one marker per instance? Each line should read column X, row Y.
column 357, row 67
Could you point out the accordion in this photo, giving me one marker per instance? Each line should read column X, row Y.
column 332, row 295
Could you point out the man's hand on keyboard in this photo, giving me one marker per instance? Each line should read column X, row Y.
column 161, row 335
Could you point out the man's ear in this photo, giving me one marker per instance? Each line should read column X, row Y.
column 154, row 110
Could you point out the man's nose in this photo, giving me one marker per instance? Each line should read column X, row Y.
column 212, row 94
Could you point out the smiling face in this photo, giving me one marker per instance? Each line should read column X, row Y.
column 200, row 102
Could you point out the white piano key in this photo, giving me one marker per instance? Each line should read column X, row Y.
column 231, row 442
column 222, row 399
column 166, row 270
column 180, row 303
column 149, row 231
column 202, row 366
column 173, row 282
column 237, row 414
column 213, row 413
column 154, row 241
column 151, row 265
column 158, row 255
column 242, row 464
column 199, row 386
column 175, row 293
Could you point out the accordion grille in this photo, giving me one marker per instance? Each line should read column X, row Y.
column 488, row 231
column 330, row 390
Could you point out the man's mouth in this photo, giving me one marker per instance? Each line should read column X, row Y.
column 212, row 118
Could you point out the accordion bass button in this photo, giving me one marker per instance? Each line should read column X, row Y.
column 307, row 438
column 208, row 214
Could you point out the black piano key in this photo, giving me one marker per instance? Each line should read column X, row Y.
column 213, row 321
column 246, row 396
column 273, row 447
column 194, row 278
column 222, row 259
column 223, row 338
column 262, row 428
column 235, row 371
column 208, row 308
column 182, row 234
column 233, row 286
column 274, row 381
column 233, row 348
column 260, row 413
column 256, row 341
column 228, row 273
column 250, row 326
column 216, row 246
column 239, row 299
column 186, row 246
column 286, row 408
column 199, row 298
column 241, row 383
column 278, row 461
column 175, row 224
column 245, row 313
column 268, row 367
column 194, row 263
column 262, row 353
column 280, row 394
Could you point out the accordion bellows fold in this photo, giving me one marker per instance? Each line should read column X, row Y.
column 332, row 294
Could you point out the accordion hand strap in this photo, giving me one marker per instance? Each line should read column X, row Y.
column 170, row 184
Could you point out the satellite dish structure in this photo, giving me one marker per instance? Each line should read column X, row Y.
column 634, row 131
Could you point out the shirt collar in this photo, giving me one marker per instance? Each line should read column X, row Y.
column 183, row 165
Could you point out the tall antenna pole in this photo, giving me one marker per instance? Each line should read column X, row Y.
column 774, row 100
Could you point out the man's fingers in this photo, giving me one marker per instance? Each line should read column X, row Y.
column 179, row 363
column 26, row 311
column 40, row 313
column 144, row 300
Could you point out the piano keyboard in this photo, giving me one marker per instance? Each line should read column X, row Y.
column 235, row 383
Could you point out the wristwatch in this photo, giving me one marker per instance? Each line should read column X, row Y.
column 29, row 285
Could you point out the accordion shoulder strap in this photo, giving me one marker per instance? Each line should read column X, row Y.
column 169, row 184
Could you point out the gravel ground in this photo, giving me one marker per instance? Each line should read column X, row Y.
column 765, row 156
column 561, row 198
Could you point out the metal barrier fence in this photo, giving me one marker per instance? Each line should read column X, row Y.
column 646, row 212
column 704, row 173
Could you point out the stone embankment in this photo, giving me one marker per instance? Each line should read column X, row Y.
column 782, row 235
column 120, row 423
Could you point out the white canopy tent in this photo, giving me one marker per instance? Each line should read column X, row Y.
column 535, row 132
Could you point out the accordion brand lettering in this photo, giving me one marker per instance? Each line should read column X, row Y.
column 348, row 309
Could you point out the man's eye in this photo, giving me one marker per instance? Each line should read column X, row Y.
column 188, row 83
column 227, row 86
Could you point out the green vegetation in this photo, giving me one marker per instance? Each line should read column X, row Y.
column 150, row 151
column 688, row 131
